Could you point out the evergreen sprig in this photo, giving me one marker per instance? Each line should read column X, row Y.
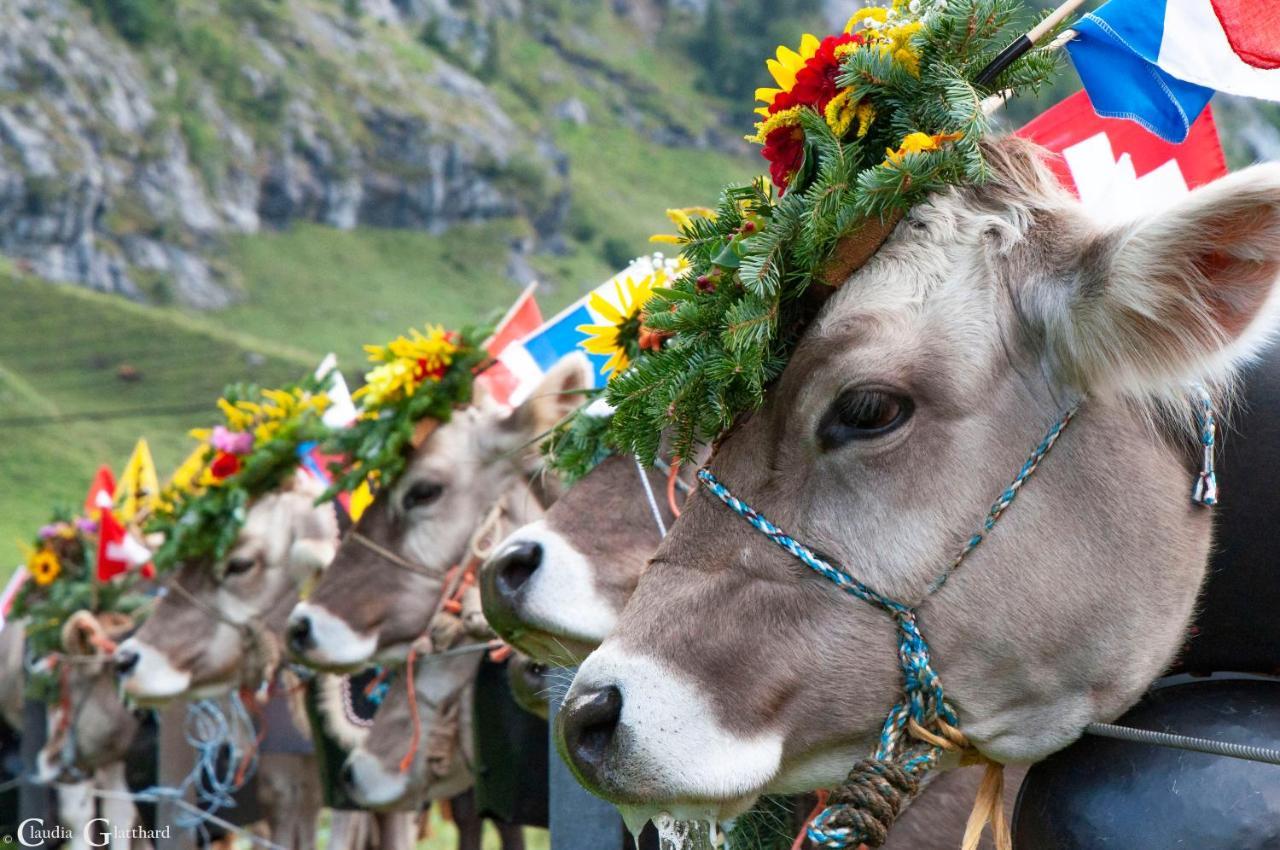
column 734, row 318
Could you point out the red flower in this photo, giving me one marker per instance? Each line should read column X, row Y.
column 784, row 149
column 224, row 465
column 815, row 86
column 422, row 372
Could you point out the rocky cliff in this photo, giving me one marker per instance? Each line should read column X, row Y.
column 126, row 156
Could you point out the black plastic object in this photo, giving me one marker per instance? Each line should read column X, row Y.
column 1101, row 792
column 1238, row 627
column 511, row 753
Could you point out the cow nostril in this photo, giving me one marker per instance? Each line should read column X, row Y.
column 589, row 723
column 516, row 566
column 299, row 634
column 126, row 660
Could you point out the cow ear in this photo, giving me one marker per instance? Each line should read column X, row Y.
column 561, row 390
column 82, row 634
column 1182, row 296
column 315, row 539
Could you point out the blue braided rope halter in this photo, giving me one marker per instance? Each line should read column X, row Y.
column 902, row 752
column 1205, row 491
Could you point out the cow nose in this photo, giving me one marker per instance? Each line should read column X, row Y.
column 515, row 566
column 125, row 660
column 587, row 726
column 299, row 634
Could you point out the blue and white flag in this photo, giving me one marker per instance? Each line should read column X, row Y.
column 1158, row 62
column 531, row 357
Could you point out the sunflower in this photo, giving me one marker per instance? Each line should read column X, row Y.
column 919, row 143
column 44, row 567
column 619, row 336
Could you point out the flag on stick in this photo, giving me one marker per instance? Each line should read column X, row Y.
column 1158, row 62
column 139, row 485
column 1118, row 169
column 102, row 493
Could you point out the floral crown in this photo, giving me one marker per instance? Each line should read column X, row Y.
column 251, row 452
column 860, row 126
column 59, row 564
column 417, row 383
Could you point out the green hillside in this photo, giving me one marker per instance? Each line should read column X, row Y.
column 73, row 364
column 83, row 375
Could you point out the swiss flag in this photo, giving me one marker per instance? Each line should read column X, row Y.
column 522, row 319
column 102, row 493
column 1117, row 168
column 118, row 550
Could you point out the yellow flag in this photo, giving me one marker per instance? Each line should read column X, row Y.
column 187, row 476
column 138, row 486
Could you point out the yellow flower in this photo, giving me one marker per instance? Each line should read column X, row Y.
column 621, row 328
column 238, row 418
column 785, row 118
column 388, row 382
column 44, row 567
column 407, row 362
column 683, row 220
column 432, row 352
column 875, row 14
column 919, row 143
column 784, row 69
column 896, row 41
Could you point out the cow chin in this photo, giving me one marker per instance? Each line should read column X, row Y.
column 153, row 678
column 371, row 784
column 557, row 650
column 668, row 752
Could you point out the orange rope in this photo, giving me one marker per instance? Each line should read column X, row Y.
column 454, row 603
column 817, row 810
column 246, row 696
column 500, row 652
column 672, row 477
column 407, row 761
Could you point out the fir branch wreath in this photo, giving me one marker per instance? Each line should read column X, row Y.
column 61, row 581
column 252, row 452
column 862, row 126
column 418, row 382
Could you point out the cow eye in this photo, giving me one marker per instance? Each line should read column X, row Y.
column 422, row 493
column 862, row 415
column 239, row 565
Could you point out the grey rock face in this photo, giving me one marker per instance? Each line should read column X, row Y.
column 110, row 180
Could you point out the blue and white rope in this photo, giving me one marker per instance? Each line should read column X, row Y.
column 1205, row 491
column 923, row 699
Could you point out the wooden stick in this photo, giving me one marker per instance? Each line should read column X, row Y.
column 1056, row 17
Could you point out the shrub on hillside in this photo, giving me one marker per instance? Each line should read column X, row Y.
column 137, row 21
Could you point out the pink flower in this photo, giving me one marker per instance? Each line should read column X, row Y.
column 87, row 526
column 230, row 441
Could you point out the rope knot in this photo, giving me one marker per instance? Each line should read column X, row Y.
column 864, row 808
